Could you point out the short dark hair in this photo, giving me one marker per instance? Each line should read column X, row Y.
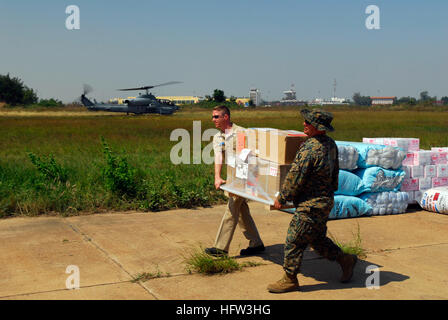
column 223, row 109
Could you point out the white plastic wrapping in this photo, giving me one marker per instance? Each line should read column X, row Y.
column 387, row 202
column 348, row 157
column 435, row 200
column 372, row 155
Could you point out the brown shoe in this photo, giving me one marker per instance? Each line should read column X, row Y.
column 347, row 263
column 286, row 284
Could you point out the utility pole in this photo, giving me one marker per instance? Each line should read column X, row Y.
column 334, row 88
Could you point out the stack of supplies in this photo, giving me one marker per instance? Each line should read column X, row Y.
column 372, row 186
column 425, row 169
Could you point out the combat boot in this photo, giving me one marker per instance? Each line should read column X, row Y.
column 286, row 284
column 347, row 263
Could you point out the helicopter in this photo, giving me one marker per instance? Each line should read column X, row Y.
column 144, row 103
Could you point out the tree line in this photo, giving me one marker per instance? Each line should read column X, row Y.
column 425, row 98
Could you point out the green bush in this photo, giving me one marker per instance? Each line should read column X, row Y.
column 50, row 103
column 48, row 168
column 119, row 177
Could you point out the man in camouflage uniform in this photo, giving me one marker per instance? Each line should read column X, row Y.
column 310, row 185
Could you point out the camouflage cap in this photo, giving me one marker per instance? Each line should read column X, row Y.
column 319, row 118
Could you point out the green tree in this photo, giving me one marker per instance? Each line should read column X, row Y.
column 407, row 100
column 361, row 100
column 11, row 90
column 444, row 100
column 29, row 96
column 426, row 98
column 218, row 95
column 14, row 92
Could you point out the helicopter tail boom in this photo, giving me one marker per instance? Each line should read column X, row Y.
column 86, row 102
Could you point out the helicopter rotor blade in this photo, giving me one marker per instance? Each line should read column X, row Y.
column 167, row 83
column 132, row 89
column 150, row 87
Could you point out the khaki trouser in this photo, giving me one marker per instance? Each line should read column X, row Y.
column 237, row 213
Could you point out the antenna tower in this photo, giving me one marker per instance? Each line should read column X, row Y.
column 334, row 88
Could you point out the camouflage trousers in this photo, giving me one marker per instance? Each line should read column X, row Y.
column 303, row 231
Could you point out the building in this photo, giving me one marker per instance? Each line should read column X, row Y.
column 382, row 100
column 290, row 98
column 255, row 96
column 290, row 94
column 332, row 101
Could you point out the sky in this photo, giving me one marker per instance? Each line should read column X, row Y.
column 231, row 45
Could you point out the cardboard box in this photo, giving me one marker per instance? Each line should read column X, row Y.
column 241, row 172
column 439, row 149
column 417, row 171
column 276, row 176
column 439, row 157
column 407, row 171
column 422, row 157
column 409, row 160
column 439, row 182
column 241, row 141
column 230, row 174
column 424, row 183
column 407, row 144
column 373, row 140
column 430, row 171
column 442, row 170
column 257, row 177
column 279, row 146
column 410, row 185
column 256, row 183
column 252, row 140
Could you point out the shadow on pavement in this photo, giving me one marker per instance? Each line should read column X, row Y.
column 329, row 272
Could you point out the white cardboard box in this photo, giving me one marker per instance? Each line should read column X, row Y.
column 442, row 170
column 430, row 171
column 424, row 183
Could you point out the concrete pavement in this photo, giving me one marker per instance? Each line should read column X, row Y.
column 110, row 250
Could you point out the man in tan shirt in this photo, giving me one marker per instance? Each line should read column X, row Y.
column 237, row 211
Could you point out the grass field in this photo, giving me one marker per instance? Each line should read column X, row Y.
column 138, row 175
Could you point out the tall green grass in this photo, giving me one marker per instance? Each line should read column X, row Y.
column 73, row 145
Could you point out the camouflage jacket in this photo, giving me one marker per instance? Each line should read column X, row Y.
column 313, row 177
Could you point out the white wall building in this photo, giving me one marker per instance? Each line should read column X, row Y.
column 255, row 96
column 382, row 100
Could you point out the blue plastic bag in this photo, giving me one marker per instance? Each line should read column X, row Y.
column 349, row 207
column 350, row 184
column 378, row 179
